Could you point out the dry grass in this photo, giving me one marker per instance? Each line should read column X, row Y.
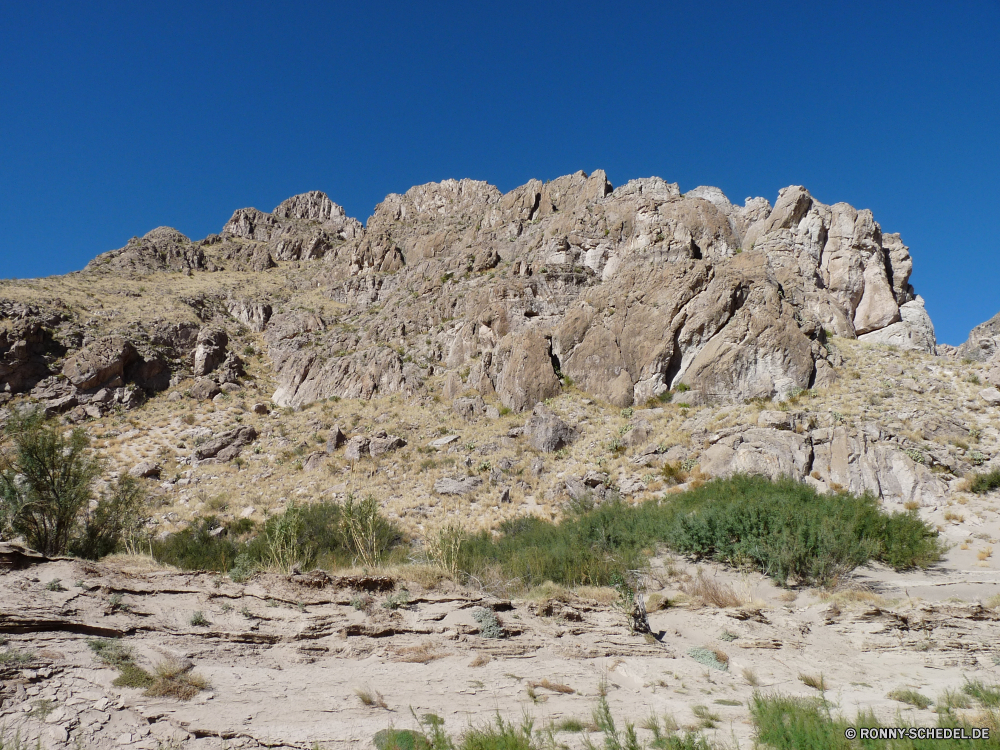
column 555, row 687
column 481, row 660
column 712, row 592
column 422, row 654
column 174, row 680
column 370, row 697
column 985, row 554
column 751, row 677
column 816, row 682
column 598, row 594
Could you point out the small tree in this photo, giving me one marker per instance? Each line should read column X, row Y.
column 46, row 479
column 118, row 516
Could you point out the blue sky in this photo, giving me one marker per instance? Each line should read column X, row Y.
column 119, row 117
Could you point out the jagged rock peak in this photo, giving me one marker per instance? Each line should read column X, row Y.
column 296, row 217
column 311, row 206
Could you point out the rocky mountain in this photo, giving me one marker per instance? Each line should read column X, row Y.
column 625, row 292
column 469, row 358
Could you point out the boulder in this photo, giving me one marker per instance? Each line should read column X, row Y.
column 546, row 431
column 335, row 439
column 381, row 444
column 227, row 445
column 146, row 470
column 990, row 395
column 210, row 351
column 457, row 486
column 261, row 409
column 357, row 447
column 204, row 389
column 98, row 363
column 230, row 371
column 453, row 386
column 527, row 377
column 469, row 408
column 772, row 453
column 254, row 315
column 314, row 461
column 914, row 331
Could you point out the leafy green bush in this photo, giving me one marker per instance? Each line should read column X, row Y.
column 983, row 483
column 788, row 530
column 320, row 534
column 118, row 516
column 46, row 478
column 787, row 723
column 784, row 529
column 46, row 486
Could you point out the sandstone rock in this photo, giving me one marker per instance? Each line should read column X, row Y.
column 772, row 453
column 98, row 363
column 546, row 431
column 457, row 486
column 146, row 470
column 527, row 377
column 990, row 395
column 453, row 386
column 335, row 439
column 254, row 315
column 230, row 388
column 227, row 445
column 469, row 408
column 914, row 331
column 204, row 389
column 357, row 447
column 631, row 485
column 442, row 442
column 381, row 444
column 210, row 351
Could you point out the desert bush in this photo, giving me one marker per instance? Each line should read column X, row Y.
column 366, row 532
column 784, row 529
column 983, row 483
column 324, row 534
column 119, row 517
column 46, row 479
column 788, row 723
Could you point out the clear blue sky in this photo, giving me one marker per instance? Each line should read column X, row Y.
column 119, row 117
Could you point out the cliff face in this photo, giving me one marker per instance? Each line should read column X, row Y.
column 628, row 292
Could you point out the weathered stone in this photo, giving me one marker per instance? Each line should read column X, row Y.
column 357, row 447
column 210, row 350
column 990, row 395
column 261, row 409
column 98, row 363
column 146, row 470
column 227, row 445
column 527, row 377
column 772, row 453
column 335, row 439
column 381, row 445
column 469, row 408
column 457, row 486
column 546, row 431
column 453, row 386
column 204, row 389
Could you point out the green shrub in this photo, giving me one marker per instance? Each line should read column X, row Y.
column 787, row 723
column 784, row 529
column 118, row 516
column 489, row 625
column 320, row 534
column 46, row 480
column 983, row 483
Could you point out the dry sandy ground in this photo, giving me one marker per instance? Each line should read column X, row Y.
column 286, row 657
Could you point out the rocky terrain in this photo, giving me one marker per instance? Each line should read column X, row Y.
column 468, row 356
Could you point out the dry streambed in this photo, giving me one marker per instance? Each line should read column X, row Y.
column 289, row 661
